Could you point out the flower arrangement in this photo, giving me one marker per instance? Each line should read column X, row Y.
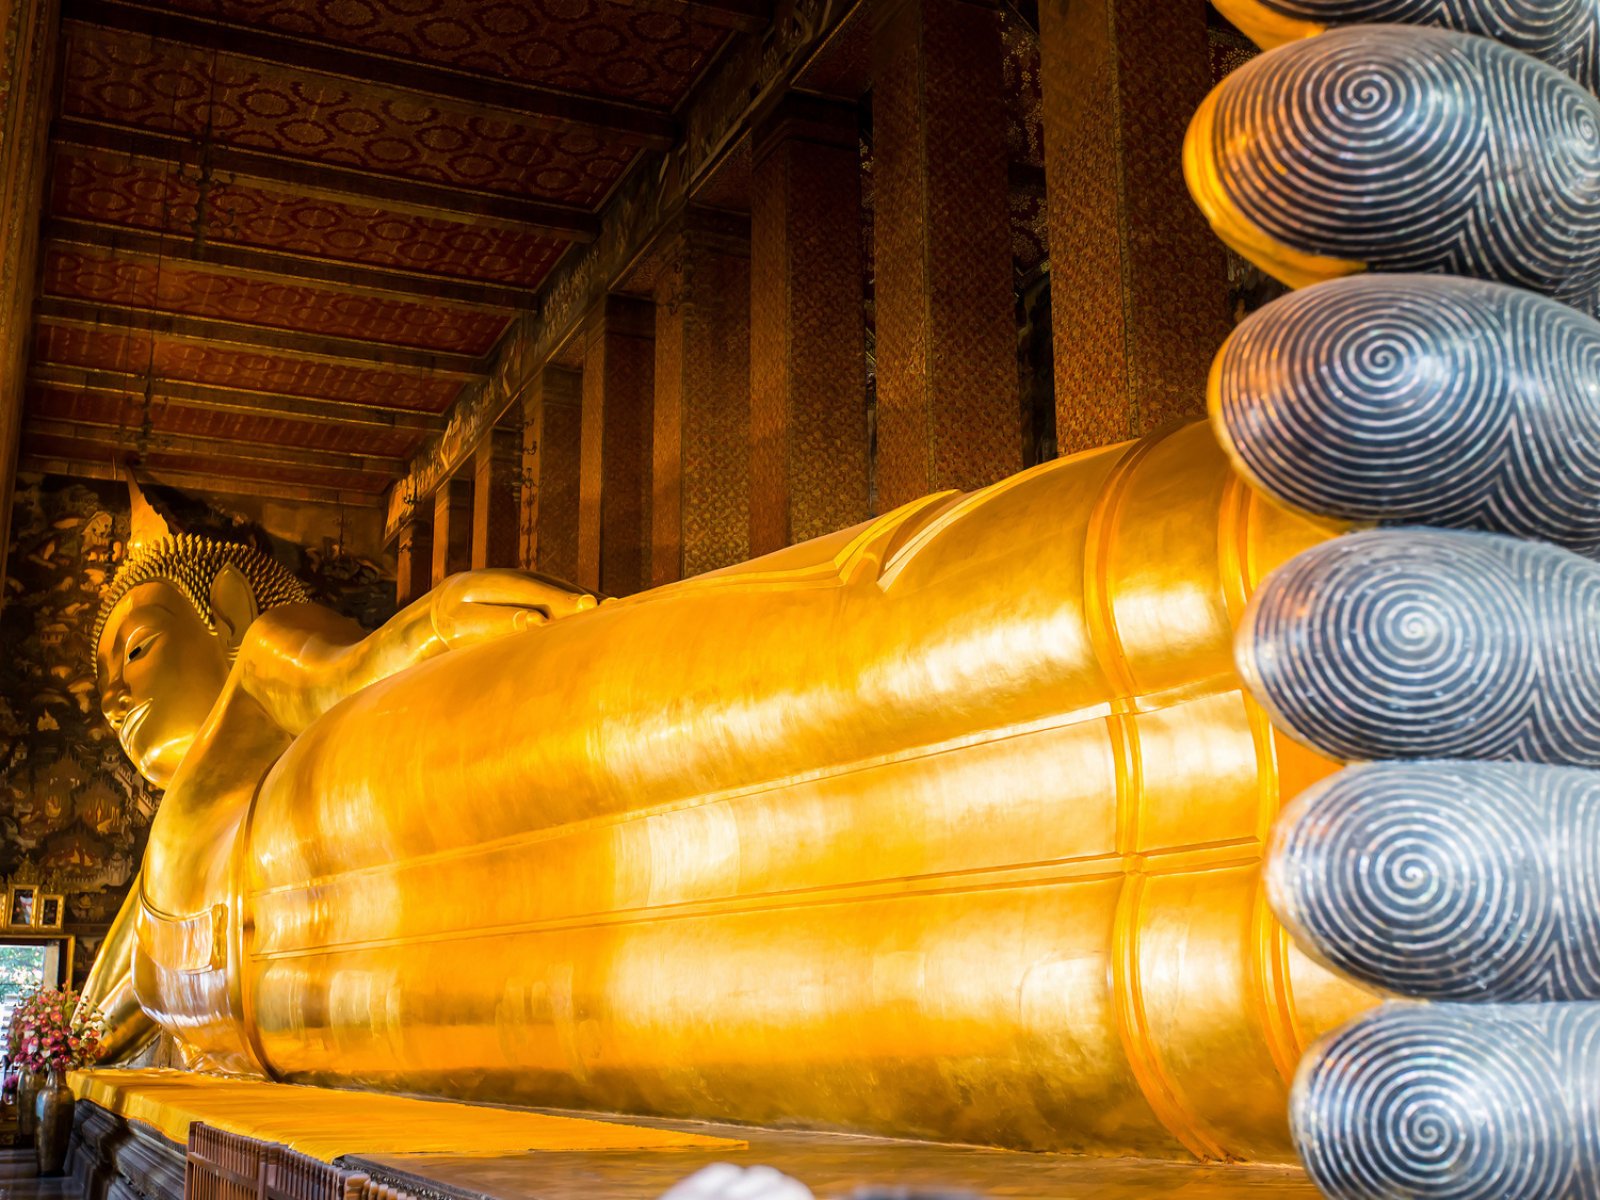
column 51, row 1029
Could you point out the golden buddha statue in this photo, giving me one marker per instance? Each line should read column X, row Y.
column 948, row 826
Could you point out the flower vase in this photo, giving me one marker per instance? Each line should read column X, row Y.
column 54, row 1129
column 27, row 1093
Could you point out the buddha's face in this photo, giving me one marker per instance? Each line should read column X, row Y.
column 160, row 671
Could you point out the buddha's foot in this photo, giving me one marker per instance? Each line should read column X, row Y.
column 1448, row 881
column 1420, row 399
column 1560, row 32
column 1407, row 150
column 1455, row 1102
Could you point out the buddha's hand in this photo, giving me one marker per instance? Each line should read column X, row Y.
column 479, row 606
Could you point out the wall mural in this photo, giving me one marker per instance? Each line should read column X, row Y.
column 74, row 813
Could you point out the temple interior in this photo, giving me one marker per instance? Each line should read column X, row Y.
column 765, row 599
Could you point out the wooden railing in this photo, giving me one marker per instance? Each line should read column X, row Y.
column 228, row 1166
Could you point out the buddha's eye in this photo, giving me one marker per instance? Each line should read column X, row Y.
column 139, row 649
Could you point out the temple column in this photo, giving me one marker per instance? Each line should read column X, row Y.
column 700, row 498
column 1139, row 292
column 618, row 380
column 808, row 381
column 496, row 499
column 30, row 30
column 552, row 433
column 948, row 412
column 414, row 567
column 452, row 529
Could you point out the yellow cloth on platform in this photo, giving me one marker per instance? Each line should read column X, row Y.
column 326, row 1123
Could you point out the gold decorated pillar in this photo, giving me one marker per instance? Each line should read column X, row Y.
column 948, row 412
column 700, row 504
column 452, row 528
column 414, row 567
column 552, row 433
column 30, row 31
column 496, row 499
column 618, row 379
column 808, row 403
column 1138, row 285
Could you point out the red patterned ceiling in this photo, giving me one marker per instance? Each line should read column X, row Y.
column 318, row 221
column 100, row 186
column 130, row 80
column 99, row 276
column 113, row 410
column 194, row 362
column 586, row 46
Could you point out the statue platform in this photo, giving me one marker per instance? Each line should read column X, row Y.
column 132, row 1125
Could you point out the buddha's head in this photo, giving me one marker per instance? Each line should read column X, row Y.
column 169, row 625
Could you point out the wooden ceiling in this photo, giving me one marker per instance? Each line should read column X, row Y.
column 282, row 234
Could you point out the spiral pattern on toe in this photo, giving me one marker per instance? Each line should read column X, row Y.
column 1559, row 32
column 1447, row 881
column 1420, row 399
column 1407, row 149
column 1414, row 643
column 1454, row 1102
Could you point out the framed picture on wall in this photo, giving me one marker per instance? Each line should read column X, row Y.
column 49, row 914
column 22, row 906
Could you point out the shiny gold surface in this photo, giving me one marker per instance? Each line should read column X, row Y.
column 945, row 826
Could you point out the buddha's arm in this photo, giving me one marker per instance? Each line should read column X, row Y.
column 299, row 660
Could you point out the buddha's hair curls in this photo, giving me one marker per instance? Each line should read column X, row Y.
column 191, row 563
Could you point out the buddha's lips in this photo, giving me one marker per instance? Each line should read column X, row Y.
column 131, row 723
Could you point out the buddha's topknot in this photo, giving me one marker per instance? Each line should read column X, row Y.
column 190, row 563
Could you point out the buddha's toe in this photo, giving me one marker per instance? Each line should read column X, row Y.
column 1418, row 643
column 1559, row 32
column 1394, row 149
column 1455, row 1102
column 1420, row 399
column 1447, row 880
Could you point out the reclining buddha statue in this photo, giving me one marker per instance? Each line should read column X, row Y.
column 951, row 825
column 948, row 825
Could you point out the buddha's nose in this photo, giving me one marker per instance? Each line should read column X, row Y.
column 115, row 702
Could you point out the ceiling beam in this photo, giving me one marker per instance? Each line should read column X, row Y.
column 197, row 481
column 329, row 181
column 615, row 120
column 121, row 437
column 284, row 265
column 208, row 398
column 55, row 310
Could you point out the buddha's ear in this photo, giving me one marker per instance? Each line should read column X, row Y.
column 233, row 606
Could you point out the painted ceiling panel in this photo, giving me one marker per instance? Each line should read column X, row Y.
column 588, row 46
column 193, row 362
column 109, row 188
column 130, row 80
column 113, row 409
column 100, row 276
